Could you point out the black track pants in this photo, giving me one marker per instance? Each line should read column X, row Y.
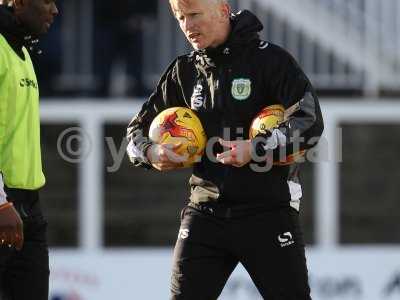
column 268, row 244
column 24, row 275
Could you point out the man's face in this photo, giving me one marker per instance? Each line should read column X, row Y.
column 202, row 21
column 36, row 15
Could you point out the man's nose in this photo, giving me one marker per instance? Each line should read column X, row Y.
column 189, row 24
column 54, row 9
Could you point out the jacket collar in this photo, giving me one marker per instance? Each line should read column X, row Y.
column 16, row 35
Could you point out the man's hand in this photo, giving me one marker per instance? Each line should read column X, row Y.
column 238, row 155
column 163, row 157
column 11, row 227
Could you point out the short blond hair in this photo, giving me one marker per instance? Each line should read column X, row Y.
column 210, row 1
column 214, row 3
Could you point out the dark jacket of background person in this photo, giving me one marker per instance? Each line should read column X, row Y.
column 119, row 37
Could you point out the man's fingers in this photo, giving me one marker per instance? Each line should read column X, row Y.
column 19, row 241
column 172, row 146
column 228, row 144
column 175, row 147
column 164, row 153
column 176, row 158
column 7, row 237
column 12, row 236
column 227, row 157
column 167, row 166
column 168, row 159
column 228, row 160
column 238, row 165
column 19, row 236
column 225, row 154
column 11, row 239
column 3, row 238
column 169, row 155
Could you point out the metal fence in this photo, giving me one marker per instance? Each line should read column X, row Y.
column 91, row 116
column 341, row 44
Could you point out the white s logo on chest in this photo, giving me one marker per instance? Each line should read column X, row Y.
column 197, row 98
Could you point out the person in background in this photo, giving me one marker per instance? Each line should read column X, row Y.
column 24, row 259
column 119, row 37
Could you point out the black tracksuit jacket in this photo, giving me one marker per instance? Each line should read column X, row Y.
column 204, row 81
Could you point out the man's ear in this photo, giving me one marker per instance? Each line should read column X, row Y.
column 225, row 10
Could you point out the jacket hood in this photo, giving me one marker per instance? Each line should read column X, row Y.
column 245, row 27
column 16, row 35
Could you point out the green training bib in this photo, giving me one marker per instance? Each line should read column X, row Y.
column 20, row 155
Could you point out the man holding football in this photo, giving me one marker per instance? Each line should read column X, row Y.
column 235, row 214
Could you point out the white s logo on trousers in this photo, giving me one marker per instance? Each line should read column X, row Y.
column 285, row 239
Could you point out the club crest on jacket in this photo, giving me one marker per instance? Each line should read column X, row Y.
column 241, row 88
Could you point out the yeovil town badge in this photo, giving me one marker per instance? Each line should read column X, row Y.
column 241, row 88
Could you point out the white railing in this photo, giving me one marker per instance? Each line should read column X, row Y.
column 91, row 116
column 340, row 43
column 351, row 30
